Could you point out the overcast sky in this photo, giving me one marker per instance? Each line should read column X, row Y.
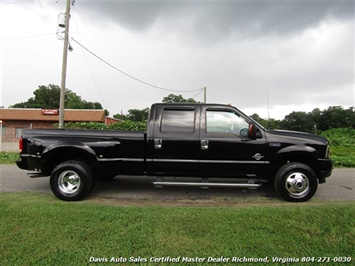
column 299, row 53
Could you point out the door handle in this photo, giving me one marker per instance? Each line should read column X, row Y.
column 204, row 144
column 158, row 143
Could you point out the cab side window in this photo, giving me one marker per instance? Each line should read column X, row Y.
column 179, row 121
column 226, row 122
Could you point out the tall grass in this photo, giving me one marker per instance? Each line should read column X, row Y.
column 342, row 144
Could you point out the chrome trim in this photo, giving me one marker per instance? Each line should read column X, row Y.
column 158, row 143
column 204, row 145
column 257, row 156
column 204, row 184
column 69, row 182
column 234, row 162
column 172, row 161
column 119, row 160
column 205, row 161
column 297, row 185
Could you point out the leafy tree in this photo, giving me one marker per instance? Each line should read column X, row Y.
column 267, row 123
column 337, row 117
column 138, row 115
column 120, row 116
column 48, row 97
column 298, row 121
column 258, row 119
column 172, row 98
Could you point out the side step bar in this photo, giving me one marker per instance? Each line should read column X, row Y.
column 36, row 174
column 206, row 184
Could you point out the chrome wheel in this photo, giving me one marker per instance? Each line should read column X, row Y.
column 72, row 180
column 297, row 184
column 69, row 182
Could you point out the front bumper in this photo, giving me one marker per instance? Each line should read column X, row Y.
column 325, row 167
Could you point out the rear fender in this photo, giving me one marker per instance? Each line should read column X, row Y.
column 74, row 146
column 60, row 151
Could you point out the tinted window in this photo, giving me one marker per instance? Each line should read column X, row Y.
column 178, row 121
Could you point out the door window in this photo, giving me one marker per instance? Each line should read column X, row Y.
column 226, row 122
column 182, row 121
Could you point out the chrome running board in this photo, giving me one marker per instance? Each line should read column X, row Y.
column 251, row 184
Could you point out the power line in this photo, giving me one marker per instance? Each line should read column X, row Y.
column 198, row 93
column 130, row 76
column 88, row 65
column 27, row 37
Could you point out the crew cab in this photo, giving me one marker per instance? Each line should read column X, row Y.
column 206, row 145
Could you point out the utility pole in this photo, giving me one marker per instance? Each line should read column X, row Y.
column 64, row 66
column 204, row 94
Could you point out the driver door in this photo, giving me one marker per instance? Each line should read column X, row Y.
column 226, row 149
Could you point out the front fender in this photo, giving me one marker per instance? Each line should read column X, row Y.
column 301, row 153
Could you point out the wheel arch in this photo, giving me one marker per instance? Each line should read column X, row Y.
column 296, row 153
column 56, row 154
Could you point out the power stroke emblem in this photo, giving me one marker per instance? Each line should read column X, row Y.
column 258, row 156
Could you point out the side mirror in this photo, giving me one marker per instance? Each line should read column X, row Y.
column 252, row 131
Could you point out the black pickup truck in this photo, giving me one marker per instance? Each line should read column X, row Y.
column 206, row 145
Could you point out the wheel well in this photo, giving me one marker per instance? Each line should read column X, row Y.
column 300, row 158
column 64, row 154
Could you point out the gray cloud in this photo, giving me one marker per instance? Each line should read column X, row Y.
column 219, row 20
column 301, row 52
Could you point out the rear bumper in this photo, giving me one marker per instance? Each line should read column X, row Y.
column 28, row 162
column 325, row 167
column 22, row 164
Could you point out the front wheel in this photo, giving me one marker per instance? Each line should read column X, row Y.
column 296, row 182
column 71, row 180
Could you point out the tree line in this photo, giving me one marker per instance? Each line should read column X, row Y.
column 313, row 122
column 47, row 97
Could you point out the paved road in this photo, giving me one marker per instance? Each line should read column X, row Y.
column 340, row 186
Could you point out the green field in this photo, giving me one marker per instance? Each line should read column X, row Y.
column 38, row 229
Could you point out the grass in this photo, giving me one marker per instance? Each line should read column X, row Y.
column 38, row 229
column 8, row 157
column 342, row 146
column 343, row 156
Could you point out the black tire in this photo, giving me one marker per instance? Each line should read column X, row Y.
column 71, row 180
column 296, row 182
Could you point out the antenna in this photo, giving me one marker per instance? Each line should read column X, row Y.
column 268, row 109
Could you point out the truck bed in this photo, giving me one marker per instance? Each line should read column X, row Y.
column 107, row 149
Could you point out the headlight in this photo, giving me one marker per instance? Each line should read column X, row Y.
column 327, row 152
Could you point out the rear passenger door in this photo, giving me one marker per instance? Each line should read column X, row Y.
column 175, row 146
